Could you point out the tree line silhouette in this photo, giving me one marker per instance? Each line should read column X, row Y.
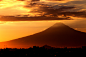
column 43, row 51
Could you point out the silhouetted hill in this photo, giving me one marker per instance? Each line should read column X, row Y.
column 58, row 35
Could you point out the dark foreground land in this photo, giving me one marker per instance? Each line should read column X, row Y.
column 45, row 51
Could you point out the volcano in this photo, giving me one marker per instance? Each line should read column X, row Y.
column 58, row 35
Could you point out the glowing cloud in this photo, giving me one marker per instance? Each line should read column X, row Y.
column 12, row 7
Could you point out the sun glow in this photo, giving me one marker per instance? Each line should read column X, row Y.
column 8, row 3
column 13, row 30
column 59, row 21
column 13, row 7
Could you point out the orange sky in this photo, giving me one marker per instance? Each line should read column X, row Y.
column 13, row 30
column 10, row 31
column 13, row 7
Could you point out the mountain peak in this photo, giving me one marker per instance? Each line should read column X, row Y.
column 58, row 24
column 58, row 35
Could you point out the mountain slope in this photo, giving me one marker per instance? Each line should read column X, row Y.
column 57, row 35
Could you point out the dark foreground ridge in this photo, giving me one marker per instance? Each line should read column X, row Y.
column 45, row 51
column 58, row 35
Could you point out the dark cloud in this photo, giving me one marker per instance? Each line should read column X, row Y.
column 30, row 0
column 20, row 0
column 35, row 0
column 45, row 9
column 49, row 10
column 55, row 0
column 78, row 2
column 75, row 14
column 29, row 5
column 64, row 7
column 80, row 5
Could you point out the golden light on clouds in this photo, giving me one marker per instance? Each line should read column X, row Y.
column 25, row 7
column 12, row 7
column 10, row 3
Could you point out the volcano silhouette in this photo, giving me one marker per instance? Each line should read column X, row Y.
column 58, row 35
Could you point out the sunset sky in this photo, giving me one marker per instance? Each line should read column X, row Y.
column 9, row 30
column 24, row 7
column 12, row 30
